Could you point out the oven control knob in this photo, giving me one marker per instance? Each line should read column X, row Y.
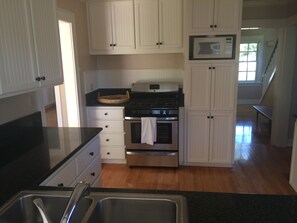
column 164, row 112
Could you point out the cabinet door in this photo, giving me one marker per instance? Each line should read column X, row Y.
column 200, row 82
column 227, row 15
column 170, row 23
column 46, row 35
column 147, row 24
column 18, row 68
column 202, row 15
column 100, row 31
column 224, row 80
column 123, row 25
column 198, row 137
column 222, row 138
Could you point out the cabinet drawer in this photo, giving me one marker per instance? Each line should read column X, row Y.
column 91, row 173
column 63, row 177
column 108, row 126
column 105, row 114
column 112, row 139
column 113, row 153
column 87, row 155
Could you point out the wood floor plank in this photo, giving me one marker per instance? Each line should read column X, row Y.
column 259, row 168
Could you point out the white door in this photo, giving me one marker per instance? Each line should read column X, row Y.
column 46, row 35
column 202, row 15
column 147, row 24
column 18, row 69
column 67, row 95
column 123, row 25
column 170, row 23
column 198, row 137
column 200, row 85
column 224, row 79
column 221, row 138
column 100, row 29
column 227, row 15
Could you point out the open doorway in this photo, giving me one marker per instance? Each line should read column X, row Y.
column 65, row 111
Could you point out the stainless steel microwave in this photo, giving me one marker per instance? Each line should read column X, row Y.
column 212, row 47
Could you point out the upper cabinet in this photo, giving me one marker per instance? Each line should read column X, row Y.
column 159, row 25
column 156, row 27
column 215, row 16
column 29, row 46
column 111, row 27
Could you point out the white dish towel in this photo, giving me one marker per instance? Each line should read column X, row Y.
column 148, row 130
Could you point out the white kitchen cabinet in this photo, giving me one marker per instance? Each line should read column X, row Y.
column 29, row 46
column 213, row 86
column 83, row 166
column 111, row 26
column 220, row 16
column 111, row 120
column 210, row 138
column 159, row 25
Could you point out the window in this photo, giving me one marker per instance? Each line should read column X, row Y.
column 248, row 62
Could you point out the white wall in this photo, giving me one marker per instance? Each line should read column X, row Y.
column 18, row 106
column 125, row 78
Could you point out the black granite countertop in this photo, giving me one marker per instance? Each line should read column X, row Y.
column 29, row 153
column 91, row 98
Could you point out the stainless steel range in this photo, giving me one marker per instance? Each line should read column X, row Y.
column 158, row 101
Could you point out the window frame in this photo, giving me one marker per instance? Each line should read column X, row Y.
column 247, row 40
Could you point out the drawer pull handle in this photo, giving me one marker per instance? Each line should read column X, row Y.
column 91, row 153
column 93, row 174
column 60, row 185
column 107, row 140
column 108, row 153
column 106, row 126
column 105, row 113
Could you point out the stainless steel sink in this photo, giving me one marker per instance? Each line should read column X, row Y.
column 23, row 210
column 98, row 207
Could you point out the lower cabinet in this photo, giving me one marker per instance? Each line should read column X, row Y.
column 210, row 138
column 83, row 166
column 111, row 120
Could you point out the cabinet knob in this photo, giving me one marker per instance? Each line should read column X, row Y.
column 108, row 153
column 60, row 185
column 106, row 126
column 105, row 113
column 107, row 140
column 209, row 68
column 208, row 117
column 211, row 26
column 211, row 117
column 38, row 79
column 160, row 43
column 215, row 26
column 114, row 44
column 93, row 174
column 43, row 78
column 213, row 68
column 111, row 44
column 157, row 44
column 91, row 153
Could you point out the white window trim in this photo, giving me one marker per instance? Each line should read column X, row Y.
column 259, row 71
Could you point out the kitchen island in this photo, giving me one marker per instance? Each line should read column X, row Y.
column 29, row 153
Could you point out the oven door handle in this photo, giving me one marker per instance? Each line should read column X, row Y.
column 158, row 119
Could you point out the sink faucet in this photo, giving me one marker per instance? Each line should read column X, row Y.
column 81, row 189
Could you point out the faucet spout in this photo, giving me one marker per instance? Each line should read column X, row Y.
column 81, row 189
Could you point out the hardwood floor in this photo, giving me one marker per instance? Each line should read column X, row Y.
column 259, row 167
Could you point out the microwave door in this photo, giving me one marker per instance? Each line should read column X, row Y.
column 208, row 50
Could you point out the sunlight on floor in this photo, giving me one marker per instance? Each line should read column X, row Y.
column 243, row 140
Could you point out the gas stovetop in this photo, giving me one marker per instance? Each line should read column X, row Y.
column 153, row 100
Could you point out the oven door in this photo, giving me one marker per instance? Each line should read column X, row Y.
column 167, row 134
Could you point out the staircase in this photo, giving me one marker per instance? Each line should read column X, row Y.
column 267, row 79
